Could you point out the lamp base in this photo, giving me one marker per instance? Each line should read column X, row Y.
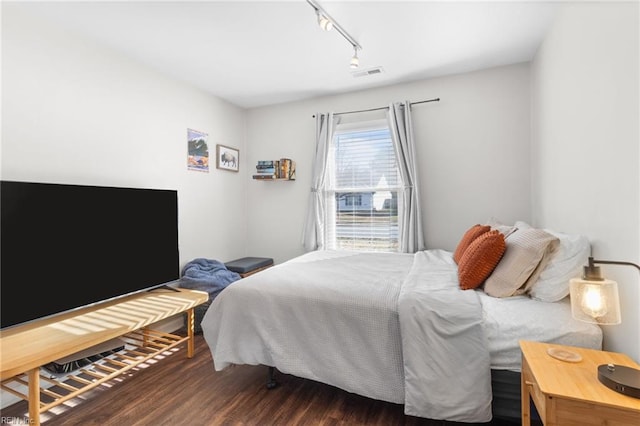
column 622, row 379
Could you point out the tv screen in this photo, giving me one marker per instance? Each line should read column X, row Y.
column 67, row 246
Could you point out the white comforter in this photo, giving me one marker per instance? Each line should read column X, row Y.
column 393, row 327
column 447, row 368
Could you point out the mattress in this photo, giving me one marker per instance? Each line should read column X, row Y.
column 508, row 320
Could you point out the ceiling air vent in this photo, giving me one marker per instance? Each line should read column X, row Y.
column 370, row 71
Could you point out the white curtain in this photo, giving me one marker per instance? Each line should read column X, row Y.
column 411, row 236
column 313, row 232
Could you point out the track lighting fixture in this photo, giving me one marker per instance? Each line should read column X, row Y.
column 326, row 22
column 355, row 62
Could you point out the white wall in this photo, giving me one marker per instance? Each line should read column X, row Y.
column 76, row 112
column 586, row 155
column 473, row 148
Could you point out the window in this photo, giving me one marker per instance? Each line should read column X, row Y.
column 362, row 190
column 352, row 199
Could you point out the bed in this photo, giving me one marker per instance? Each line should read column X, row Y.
column 388, row 326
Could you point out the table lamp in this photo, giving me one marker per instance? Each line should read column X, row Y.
column 595, row 299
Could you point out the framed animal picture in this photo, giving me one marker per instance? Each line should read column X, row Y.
column 227, row 158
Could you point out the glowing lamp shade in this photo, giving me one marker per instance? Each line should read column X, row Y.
column 595, row 301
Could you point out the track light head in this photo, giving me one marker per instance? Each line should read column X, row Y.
column 355, row 62
column 324, row 22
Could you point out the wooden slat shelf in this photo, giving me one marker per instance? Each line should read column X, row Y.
column 25, row 349
column 140, row 347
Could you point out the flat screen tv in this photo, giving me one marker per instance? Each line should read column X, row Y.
column 64, row 247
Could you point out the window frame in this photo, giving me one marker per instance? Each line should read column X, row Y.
column 332, row 190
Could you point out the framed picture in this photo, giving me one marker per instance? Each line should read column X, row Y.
column 198, row 157
column 227, row 158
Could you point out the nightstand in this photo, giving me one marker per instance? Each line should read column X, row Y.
column 569, row 393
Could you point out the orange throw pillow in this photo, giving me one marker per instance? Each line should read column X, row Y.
column 472, row 233
column 480, row 259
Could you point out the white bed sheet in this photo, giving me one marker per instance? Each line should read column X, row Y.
column 508, row 320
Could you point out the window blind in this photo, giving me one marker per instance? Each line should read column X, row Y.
column 362, row 196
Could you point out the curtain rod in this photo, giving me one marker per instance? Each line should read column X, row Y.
column 380, row 108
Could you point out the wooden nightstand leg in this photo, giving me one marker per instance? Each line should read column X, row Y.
column 34, row 396
column 551, row 410
column 525, row 401
column 190, row 332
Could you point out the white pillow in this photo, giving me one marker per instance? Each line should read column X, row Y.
column 566, row 263
column 522, row 225
column 504, row 229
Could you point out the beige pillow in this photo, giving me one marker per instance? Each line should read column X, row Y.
column 527, row 253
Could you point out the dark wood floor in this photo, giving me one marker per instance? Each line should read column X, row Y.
column 181, row 391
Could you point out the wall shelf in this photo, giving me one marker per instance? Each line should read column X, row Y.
column 272, row 179
column 270, row 170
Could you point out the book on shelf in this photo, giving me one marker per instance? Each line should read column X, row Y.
column 284, row 168
column 292, row 170
column 266, row 171
column 287, row 169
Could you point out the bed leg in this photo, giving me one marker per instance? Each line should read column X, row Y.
column 271, row 381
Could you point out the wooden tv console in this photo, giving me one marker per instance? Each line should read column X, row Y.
column 25, row 349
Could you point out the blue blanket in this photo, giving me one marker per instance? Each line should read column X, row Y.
column 207, row 275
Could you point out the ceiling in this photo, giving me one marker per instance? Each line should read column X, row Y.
column 266, row 52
